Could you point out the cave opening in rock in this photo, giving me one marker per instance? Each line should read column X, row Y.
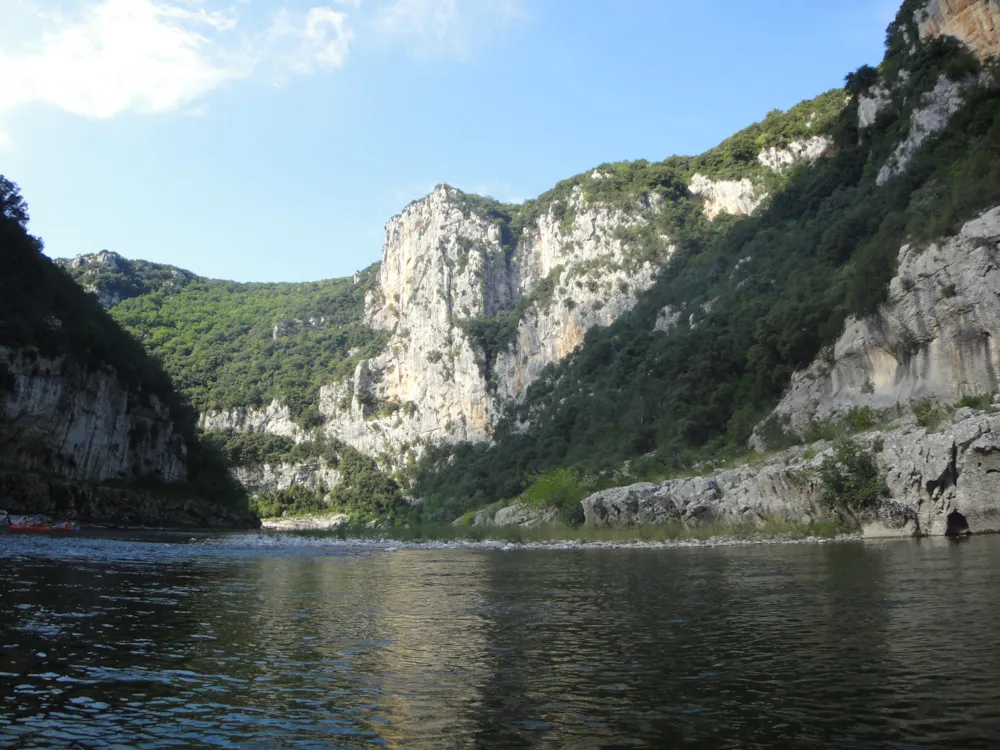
column 957, row 525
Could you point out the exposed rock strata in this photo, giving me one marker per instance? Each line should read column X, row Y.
column 444, row 266
column 88, row 426
column 937, row 108
column 274, row 418
column 976, row 23
column 944, row 482
column 313, row 474
column 735, row 197
column 932, row 338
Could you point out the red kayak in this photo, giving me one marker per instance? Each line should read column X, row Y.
column 44, row 528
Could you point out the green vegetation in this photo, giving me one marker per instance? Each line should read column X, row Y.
column 114, row 277
column 229, row 345
column 561, row 489
column 364, row 491
column 851, row 477
column 928, row 414
column 782, row 284
column 44, row 312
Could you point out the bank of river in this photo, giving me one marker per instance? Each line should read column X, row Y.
column 279, row 641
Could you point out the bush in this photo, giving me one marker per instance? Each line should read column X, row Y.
column 929, row 415
column 560, row 489
column 292, row 501
column 851, row 477
column 980, row 402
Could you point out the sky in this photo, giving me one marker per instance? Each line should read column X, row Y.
column 270, row 140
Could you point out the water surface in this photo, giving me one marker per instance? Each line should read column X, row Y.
column 158, row 642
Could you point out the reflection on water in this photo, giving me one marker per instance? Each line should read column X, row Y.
column 111, row 642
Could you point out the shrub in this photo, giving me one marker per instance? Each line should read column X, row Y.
column 851, row 477
column 560, row 489
column 929, row 415
column 980, row 402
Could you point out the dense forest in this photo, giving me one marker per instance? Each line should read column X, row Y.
column 758, row 298
column 226, row 344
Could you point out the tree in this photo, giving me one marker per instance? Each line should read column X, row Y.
column 12, row 206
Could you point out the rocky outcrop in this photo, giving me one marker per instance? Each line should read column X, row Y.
column 940, row 483
column 735, row 197
column 448, row 264
column 307, row 523
column 57, row 418
column 314, row 475
column 274, row 418
column 933, row 338
column 870, row 104
column 976, row 23
column 797, row 152
column 784, row 489
column 520, row 514
column 936, row 109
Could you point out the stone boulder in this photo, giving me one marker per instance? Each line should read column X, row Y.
column 520, row 514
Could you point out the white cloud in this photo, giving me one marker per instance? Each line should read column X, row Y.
column 319, row 39
column 114, row 56
column 447, row 28
column 4, row 139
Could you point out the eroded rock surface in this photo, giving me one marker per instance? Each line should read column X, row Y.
column 943, row 482
column 933, row 338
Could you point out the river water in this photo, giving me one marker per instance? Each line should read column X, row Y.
column 139, row 641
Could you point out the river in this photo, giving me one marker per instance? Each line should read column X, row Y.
column 151, row 641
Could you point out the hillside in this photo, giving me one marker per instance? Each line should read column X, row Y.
column 90, row 426
column 229, row 345
column 636, row 319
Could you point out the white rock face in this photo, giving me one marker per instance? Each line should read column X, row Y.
column 736, row 197
column 871, row 104
column 313, row 474
column 932, row 338
column 797, row 152
column 274, row 418
column 667, row 319
column 935, row 111
column 444, row 266
column 85, row 426
column 523, row 515
column 307, row 523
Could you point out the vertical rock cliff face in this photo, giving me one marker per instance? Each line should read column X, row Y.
column 57, row 419
column 976, row 23
column 933, row 338
column 447, row 265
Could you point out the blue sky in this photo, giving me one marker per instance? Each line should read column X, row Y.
column 270, row 140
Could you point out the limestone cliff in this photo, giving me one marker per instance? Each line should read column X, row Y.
column 59, row 419
column 446, row 266
column 932, row 338
column 976, row 23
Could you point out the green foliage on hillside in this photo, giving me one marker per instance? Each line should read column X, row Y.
column 43, row 310
column 781, row 285
column 364, row 491
column 117, row 278
column 229, row 345
column 851, row 478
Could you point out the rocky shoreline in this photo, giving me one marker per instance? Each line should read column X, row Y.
column 942, row 482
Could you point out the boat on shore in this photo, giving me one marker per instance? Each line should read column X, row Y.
column 36, row 523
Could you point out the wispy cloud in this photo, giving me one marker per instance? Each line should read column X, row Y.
column 447, row 28
column 113, row 56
